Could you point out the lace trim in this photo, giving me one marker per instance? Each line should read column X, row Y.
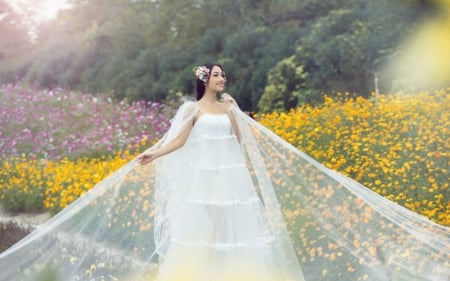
column 206, row 137
column 232, row 166
column 224, row 203
column 218, row 138
column 225, row 246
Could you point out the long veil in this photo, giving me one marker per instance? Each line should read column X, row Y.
column 332, row 226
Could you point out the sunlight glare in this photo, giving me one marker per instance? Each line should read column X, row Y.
column 50, row 8
column 43, row 10
column 425, row 58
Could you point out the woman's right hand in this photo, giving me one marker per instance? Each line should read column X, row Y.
column 227, row 98
column 146, row 157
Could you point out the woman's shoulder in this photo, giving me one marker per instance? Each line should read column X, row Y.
column 188, row 107
column 187, row 100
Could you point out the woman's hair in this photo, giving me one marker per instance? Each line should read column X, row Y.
column 201, row 84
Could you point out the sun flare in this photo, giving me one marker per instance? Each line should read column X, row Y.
column 50, row 8
column 425, row 59
column 42, row 10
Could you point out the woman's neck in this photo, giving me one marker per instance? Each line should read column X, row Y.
column 210, row 96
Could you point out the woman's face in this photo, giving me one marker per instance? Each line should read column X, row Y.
column 217, row 79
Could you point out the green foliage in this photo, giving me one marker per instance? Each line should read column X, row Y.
column 146, row 49
column 251, row 52
column 283, row 87
column 31, row 194
column 341, row 51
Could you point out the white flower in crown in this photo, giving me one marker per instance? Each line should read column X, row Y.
column 201, row 73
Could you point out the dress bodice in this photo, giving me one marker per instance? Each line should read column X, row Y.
column 212, row 143
column 212, row 125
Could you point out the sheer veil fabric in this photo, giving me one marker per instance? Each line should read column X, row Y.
column 218, row 209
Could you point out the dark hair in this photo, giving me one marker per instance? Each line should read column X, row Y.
column 201, row 84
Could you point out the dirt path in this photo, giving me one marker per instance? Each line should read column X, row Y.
column 26, row 219
column 14, row 227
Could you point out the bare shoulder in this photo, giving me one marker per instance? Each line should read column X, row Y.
column 188, row 107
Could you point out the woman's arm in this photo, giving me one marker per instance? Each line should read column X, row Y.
column 178, row 142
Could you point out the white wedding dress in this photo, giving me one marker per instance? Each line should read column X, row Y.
column 219, row 226
column 221, row 209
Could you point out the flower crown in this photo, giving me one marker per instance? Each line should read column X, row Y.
column 201, row 73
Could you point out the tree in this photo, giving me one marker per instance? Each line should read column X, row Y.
column 343, row 48
column 145, row 49
column 283, row 89
column 14, row 39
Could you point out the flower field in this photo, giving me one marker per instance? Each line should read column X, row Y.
column 55, row 145
column 53, row 124
column 33, row 184
column 397, row 146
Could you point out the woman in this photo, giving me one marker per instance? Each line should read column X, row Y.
column 217, row 223
column 208, row 88
column 220, row 197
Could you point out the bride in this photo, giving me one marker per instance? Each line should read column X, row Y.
column 220, row 197
column 217, row 224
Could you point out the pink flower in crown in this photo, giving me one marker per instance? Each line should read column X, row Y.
column 201, row 73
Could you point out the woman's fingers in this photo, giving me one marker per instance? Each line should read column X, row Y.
column 145, row 158
column 228, row 98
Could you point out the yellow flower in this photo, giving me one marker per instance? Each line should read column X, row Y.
column 397, row 147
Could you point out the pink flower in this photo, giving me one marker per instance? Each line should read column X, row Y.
column 201, row 73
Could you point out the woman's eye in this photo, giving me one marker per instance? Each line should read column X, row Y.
column 221, row 75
